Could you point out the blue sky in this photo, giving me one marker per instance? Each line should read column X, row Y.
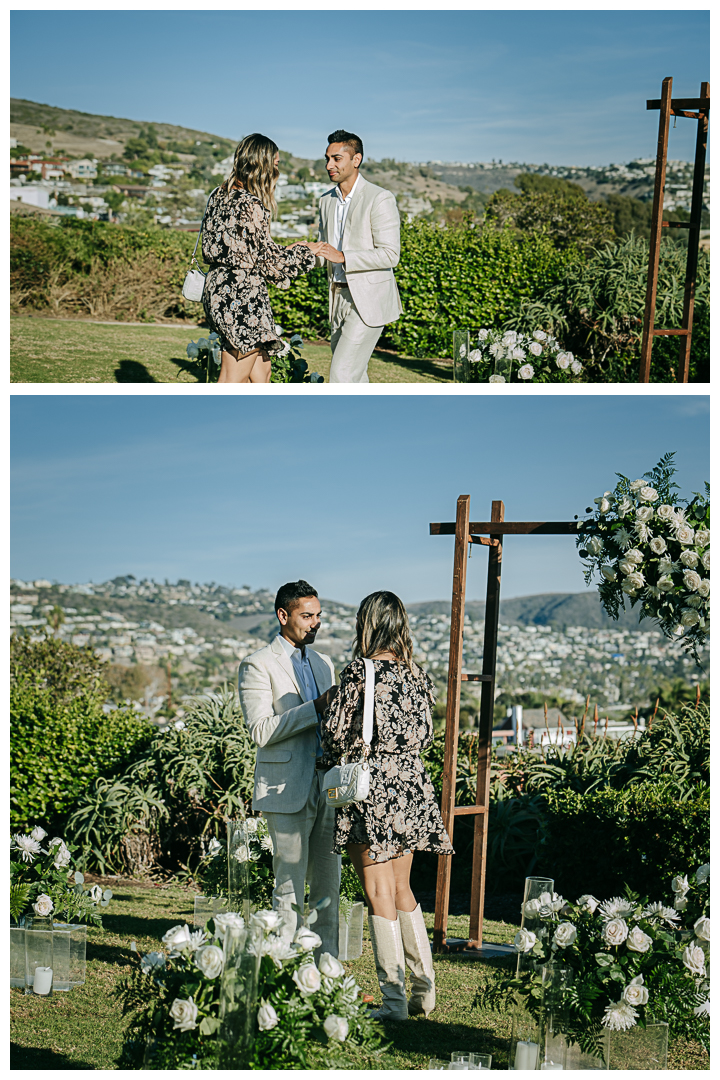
column 260, row 490
column 566, row 87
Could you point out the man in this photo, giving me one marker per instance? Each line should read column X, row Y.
column 359, row 242
column 284, row 690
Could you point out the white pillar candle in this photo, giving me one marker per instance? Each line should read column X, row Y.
column 42, row 982
column 550, row 1065
column 526, row 1055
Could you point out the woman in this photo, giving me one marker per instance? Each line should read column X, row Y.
column 400, row 814
column 236, row 243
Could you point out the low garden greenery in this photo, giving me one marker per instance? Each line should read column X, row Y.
column 538, row 261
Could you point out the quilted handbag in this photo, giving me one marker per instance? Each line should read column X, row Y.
column 349, row 782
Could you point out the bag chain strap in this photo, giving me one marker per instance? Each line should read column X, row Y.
column 197, row 241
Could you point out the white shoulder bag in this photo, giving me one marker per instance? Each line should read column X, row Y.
column 349, row 782
column 195, row 279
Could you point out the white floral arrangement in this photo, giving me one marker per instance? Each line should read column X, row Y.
column 297, row 1001
column 43, row 881
column 626, row 961
column 651, row 548
column 538, row 356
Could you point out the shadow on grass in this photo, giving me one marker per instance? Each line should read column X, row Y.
column 142, row 927
column 30, row 1057
column 190, row 367
column 433, row 368
column 132, row 371
column 440, row 1038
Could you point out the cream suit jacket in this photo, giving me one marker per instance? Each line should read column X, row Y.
column 371, row 245
column 282, row 724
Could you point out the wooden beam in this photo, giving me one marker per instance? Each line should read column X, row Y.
column 696, row 206
column 682, row 103
column 655, row 231
column 470, row 810
column 505, row 528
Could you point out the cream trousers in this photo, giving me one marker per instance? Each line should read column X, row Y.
column 352, row 341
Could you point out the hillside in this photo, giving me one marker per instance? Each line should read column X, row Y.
column 557, row 610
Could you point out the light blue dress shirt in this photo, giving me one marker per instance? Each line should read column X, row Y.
column 305, row 678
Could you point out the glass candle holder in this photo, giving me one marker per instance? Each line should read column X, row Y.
column 461, row 349
column 238, row 995
column 238, row 868
column 503, row 369
column 535, row 888
column 638, row 1048
column 436, row 1064
column 460, row 1059
column 38, row 956
column 556, row 983
column 350, row 936
column 481, row 1061
column 17, row 956
column 525, row 1041
column 69, row 951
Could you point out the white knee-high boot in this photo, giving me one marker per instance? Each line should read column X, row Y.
column 390, row 966
column 419, row 959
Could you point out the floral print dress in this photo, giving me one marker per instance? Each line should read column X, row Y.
column 236, row 243
column 400, row 814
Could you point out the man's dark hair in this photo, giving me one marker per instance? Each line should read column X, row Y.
column 291, row 593
column 353, row 142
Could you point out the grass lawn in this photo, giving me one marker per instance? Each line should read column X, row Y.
column 83, row 1029
column 76, row 351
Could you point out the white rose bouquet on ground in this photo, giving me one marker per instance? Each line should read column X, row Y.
column 625, row 961
column 44, row 881
column 509, row 356
column 652, row 548
column 174, row 996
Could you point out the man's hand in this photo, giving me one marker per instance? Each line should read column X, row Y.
column 325, row 700
column 326, row 251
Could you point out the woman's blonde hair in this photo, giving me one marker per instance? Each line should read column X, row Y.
column 254, row 169
column 383, row 626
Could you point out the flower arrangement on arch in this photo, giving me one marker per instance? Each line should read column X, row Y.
column 652, row 548
column 40, row 881
column 626, row 962
column 509, row 356
column 174, row 997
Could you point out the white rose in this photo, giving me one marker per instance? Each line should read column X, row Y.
column 603, row 505
column 644, row 513
column 539, row 335
column 336, row 1027
column 152, row 961
column 563, row 360
column 330, row 966
column 689, row 618
column 526, row 371
column 535, row 348
column 702, row 537
column 178, row 937
column 638, row 940
column 704, row 588
column 702, row 928
column 702, row 873
column 692, row 580
column 251, row 825
column 648, row 494
column 658, row 545
column 694, row 960
column 594, row 545
column 524, row 940
column 229, row 918
column 306, row 940
column 483, row 335
column 496, row 378
column 184, row 1013
column 689, row 558
column 267, row 920
column 624, row 506
column 214, row 847
column 565, row 935
column 665, row 512
column 38, row 833
column 209, row 960
column 43, row 905
column 679, row 884
column 576, row 367
column 665, row 583
column 267, row 1018
column 635, row 580
column 634, row 556
column 706, row 560
column 608, row 573
column 615, row 931
column 588, row 903
column 532, row 908
column 509, row 337
column 475, row 356
column 307, row 979
column 684, row 534
column 635, row 993
column 242, row 853
column 62, row 857
column 463, row 350
column 96, row 894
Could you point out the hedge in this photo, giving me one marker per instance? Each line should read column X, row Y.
column 600, row 841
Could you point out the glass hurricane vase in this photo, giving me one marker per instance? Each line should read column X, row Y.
column 69, row 952
column 529, row 920
column 238, row 996
column 38, row 955
column 461, row 348
column 350, row 931
column 17, row 956
column 238, row 867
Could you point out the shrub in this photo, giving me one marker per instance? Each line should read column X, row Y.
column 600, row 841
column 61, row 738
column 567, row 218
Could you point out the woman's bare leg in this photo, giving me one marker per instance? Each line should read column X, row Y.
column 261, row 368
column 386, row 885
column 237, row 368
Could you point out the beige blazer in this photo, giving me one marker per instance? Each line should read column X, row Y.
column 282, row 724
column 371, row 245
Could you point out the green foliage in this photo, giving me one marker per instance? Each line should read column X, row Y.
column 536, row 184
column 600, row 841
column 290, row 367
column 596, row 308
column 207, row 352
column 568, row 220
column 61, row 738
column 49, row 871
column 187, row 783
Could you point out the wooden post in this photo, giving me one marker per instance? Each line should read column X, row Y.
column 656, row 230
column 452, row 716
column 694, row 237
column 487, row 701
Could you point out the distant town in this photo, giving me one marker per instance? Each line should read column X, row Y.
column 185, row 638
